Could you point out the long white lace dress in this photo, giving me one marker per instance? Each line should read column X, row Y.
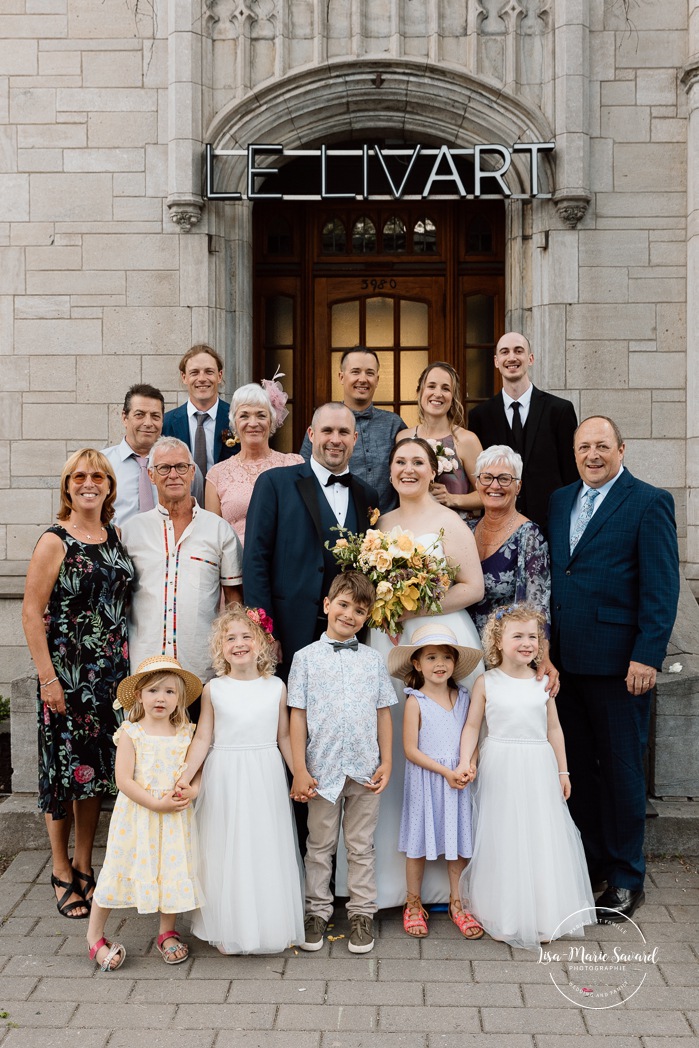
column 390, row 863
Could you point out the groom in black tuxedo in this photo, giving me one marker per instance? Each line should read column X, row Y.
column 286, row 568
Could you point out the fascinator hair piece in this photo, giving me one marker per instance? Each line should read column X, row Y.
column 277, row 396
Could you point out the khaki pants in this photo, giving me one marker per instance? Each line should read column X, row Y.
column 358, row 809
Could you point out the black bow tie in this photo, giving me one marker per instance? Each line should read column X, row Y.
column 345, row 645
column 342, row 478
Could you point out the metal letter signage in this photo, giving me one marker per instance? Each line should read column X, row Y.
column 382, row 173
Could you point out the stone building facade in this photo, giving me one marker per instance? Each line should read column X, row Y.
column 112, row 262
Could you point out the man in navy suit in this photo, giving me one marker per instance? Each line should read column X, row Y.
column 286, row 568
column 535, row 424
column 201, row 421
column 615, row 587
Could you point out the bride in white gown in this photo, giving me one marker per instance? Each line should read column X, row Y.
column 413, row 466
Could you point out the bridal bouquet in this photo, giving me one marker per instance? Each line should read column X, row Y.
column 447, row 461
column 408, row 576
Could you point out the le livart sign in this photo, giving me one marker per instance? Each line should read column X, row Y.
column 373, row 172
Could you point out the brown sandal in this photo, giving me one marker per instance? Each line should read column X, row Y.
column 415, row 917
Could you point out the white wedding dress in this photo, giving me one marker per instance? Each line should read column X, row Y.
column 390, row 863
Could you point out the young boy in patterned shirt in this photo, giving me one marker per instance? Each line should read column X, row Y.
column 341, row 734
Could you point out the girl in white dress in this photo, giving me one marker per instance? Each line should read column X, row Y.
column 248, row 859
column 527, row 881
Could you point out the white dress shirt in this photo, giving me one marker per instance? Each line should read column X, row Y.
column 523, row 401
column 124, row 462
column 337, row 495
column 209, row 429
column 178, row 584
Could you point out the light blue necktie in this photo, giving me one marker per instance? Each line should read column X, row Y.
column 584, row 518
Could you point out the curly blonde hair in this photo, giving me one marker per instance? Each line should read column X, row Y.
column 495, row 627
column 179, row 715
column 266, row 659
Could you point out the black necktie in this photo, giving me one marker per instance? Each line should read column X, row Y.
column 517, row 431
column 345, row 645
column 342, row 478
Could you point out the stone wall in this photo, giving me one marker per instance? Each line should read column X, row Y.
column 103, row 112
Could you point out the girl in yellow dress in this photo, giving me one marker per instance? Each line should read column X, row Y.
column 150, row 857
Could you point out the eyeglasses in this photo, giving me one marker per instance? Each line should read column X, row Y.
column 503, row 479
column 180, row 467
column 80, row 477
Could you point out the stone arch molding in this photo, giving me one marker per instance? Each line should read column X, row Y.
column 408, row 98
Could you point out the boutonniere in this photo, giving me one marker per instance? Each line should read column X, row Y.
column 373, row 515
column 228, row 438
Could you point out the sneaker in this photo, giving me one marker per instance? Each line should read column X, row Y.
column 361, row 938
column 314, row 930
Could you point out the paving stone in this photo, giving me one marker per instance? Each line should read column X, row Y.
column 244, row 991
column 678, row 974
column 135, row 1017
column 38, row 1013
column 51, row 989
column 19, row 945
column 531, row 1020
column 19, row 926
column 639, row 1021
column 385, row 948
column 453, row 949
column 664, row 998
column 538, row 996
column 226, row 1016
column 23, row 963
column 180, row 991
column 678, row 877
column 265, row 1039
column 355, row 967
column 157, row 1039
column 485, row 1040
column 25, row 868
column 30, row 1038
column 555, row 1041
column 474, row 995
column 381, row 1039
column 326, row 1017
column 374, row 992
column 18, row 988
column 509, row 972
column 430, row 1020
column 237, row 968
column 11, row 896
column 422, row 971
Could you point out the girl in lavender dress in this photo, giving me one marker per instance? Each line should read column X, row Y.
column 436, row 816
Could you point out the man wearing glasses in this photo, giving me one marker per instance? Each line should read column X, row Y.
column 184, row 557
column 535, row 424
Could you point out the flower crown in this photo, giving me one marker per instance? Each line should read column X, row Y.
column 260, row 617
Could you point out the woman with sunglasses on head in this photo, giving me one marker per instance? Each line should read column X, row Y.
column 74, row 617
column 513, row 552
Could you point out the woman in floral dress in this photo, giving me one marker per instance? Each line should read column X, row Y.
column 74, row 618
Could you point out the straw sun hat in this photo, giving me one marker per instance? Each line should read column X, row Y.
column 399, row 659
column 126, row 692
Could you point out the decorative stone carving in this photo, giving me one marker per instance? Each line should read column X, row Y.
column 185, row 211
column 230, row 19
column 572, row 207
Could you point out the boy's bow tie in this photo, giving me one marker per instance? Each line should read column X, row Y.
column 345, row 645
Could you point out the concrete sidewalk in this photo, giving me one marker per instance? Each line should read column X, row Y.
column 442, row 991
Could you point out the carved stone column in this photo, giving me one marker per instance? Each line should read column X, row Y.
column 572, row 194
column 184, row 199
column 690, row 80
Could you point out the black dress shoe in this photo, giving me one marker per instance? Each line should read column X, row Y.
column 615, row 904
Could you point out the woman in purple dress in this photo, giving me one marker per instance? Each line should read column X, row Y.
column 441, row 423
column 513, row 552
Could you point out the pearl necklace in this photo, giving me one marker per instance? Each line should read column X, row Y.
column 103, row 531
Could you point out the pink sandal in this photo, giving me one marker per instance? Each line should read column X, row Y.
column 464, row 921
column 415, row 917
column 168, row 952
column 115, row 950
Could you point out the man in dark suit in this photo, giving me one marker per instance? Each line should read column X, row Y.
column 200, row 422
column 535, row 424
column 286, row 568
column 615, row 587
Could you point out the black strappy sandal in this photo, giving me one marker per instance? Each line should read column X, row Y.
column 66, row 908
column 88, row 880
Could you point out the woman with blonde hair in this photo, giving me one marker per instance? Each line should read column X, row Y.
column 74, row 617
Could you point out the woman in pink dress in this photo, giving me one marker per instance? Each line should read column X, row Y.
column 256, row 413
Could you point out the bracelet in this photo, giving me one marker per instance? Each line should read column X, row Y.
column 47, row 682
column 564, row 773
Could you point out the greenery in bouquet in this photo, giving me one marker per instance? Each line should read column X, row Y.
column 408, row 576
